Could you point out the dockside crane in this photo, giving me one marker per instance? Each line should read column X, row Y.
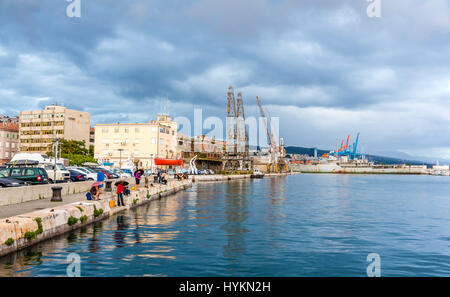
column 272, row 144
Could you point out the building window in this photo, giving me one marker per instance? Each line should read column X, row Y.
column 116, row 130
column 154, row 140
column 105, row 130
column 126, row 130
column 136, row 130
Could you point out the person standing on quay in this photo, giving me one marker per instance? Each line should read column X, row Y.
column 120, row 195
column 138, row 178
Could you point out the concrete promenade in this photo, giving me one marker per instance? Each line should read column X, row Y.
column 24, row 229
column 19, row 195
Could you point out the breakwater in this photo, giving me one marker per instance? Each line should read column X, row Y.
column 212, row 178
column 21, row 231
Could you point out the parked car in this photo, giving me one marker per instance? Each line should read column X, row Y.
column 27, row 159
column 121, row 174
column 90, row 175
column 7, row 182
column 76, row 176
column 109, row 174
column 29, row 175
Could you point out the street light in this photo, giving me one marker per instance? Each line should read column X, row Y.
column 120, row 162
column 55, row 156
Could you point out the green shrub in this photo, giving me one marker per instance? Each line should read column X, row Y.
column 83, row 218
column 148, row 195
column 30, row 235
column 135, row 201
column 72, row 221
column 39, row 223
column 80, row 208
column 96, row 212
column 9, row 242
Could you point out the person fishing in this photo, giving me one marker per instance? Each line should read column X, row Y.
column 120, row 194
column 95, row 191
column 138, row 177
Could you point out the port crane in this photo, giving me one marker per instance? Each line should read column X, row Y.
column 346, row 150
column 273, row 149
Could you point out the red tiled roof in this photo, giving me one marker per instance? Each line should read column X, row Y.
column 9, row 127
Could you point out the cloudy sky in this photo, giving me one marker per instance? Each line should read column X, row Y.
column 324, row 67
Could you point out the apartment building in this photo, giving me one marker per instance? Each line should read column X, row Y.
column 38, row 128
column 9, row 141
column 92, row 136
column 139, row 143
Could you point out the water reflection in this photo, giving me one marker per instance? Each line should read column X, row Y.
column 236, row 213
column 310, row 225
column 94, row 244
column 119, row 234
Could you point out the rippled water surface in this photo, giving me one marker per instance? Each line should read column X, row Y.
column 302, row 225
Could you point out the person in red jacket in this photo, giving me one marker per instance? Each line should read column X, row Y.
column 120, row 195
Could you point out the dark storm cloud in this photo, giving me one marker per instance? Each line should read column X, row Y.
column 339, row 70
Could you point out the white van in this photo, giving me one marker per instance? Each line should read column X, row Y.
column 62, row 174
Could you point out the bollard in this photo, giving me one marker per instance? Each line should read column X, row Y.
column 56, row 197
column 108, row 185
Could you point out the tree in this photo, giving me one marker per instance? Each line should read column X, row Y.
column 73, row 150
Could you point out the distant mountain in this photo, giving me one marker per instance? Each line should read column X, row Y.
column 373, row 158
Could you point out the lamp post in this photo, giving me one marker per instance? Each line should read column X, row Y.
column 120, row 160
column 56, row 197
column 55, row 156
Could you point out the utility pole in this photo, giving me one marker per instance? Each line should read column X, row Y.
column 120, row 162
column 55, row 156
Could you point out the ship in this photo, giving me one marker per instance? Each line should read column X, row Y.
column 354, row 166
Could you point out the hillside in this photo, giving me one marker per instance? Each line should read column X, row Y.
column 372, row 158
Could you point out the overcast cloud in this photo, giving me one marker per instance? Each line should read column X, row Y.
column 323, row 67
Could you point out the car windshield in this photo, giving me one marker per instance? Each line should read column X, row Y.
column 61, row 167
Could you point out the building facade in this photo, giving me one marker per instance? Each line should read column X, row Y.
column 209, row 151
column 39, row 128
column 9, row 141
column 139, row 143
column 92, row 136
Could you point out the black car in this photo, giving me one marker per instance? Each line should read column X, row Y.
column 75, row 176
column 29, row 175
column 6, row 182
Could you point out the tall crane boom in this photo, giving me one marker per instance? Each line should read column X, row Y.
column 269, row 138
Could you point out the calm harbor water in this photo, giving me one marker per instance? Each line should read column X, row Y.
column 301, row 225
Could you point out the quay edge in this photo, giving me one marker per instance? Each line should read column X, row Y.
column 54, row 221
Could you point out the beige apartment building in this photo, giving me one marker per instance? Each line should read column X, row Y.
column 139, row 143
column 38, row 128
column 9, row 141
